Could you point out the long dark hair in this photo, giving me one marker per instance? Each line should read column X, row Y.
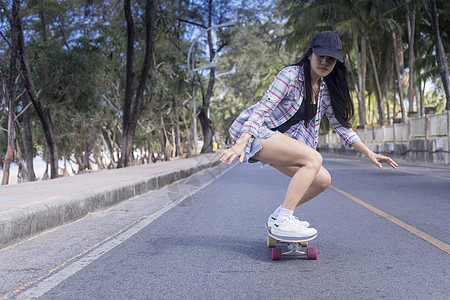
column 337, row 85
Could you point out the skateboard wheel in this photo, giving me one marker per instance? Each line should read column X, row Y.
column 304, row 244
column 311, row 253
column 276, row 254
column 271, row 242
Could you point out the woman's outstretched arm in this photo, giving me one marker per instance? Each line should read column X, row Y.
column 373, row 157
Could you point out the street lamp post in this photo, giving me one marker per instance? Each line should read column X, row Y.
column 192, row 69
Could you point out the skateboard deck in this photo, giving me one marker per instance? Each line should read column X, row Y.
column 296, row 246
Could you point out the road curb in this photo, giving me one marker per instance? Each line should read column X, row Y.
column 20, row 223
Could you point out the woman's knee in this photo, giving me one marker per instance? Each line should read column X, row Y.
column 326, row 181
column 323, row 179
column 313, row 161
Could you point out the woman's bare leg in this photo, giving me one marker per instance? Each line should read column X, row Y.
column 319, row 184
column 283, row 151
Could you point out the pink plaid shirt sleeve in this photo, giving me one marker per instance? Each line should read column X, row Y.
column 279, row 88
column 347, row 135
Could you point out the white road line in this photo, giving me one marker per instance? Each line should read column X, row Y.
column 53, row 280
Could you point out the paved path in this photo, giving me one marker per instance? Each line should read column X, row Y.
column 204, row 238
column 30, row 208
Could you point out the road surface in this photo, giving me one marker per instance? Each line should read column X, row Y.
column 382, row 233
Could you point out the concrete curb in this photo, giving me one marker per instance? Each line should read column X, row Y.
column 20, row 223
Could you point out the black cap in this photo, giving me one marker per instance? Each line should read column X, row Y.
column 327, row 43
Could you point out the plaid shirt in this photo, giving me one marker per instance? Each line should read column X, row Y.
column 279, row 104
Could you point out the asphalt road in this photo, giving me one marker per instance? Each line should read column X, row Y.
column 204, row 238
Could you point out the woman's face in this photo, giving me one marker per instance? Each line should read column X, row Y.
column 321, row 65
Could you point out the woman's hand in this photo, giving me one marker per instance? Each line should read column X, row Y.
column 375, row 158
column 378, row 159
column 236, row 151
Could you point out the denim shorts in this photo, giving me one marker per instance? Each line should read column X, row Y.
column 256, row 146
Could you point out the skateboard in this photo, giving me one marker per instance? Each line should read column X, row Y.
column 296, row 246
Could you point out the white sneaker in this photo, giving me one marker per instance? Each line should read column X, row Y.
column 272, row 221
column 290, row 228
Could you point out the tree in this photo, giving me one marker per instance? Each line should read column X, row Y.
column 203, row 115
column 205, row 16
column 258, row 48
column 132, row 104
column 411, row 27
column 398, row 64
column 361, row 67
column 28, row 138
column 42, row 111
column 348, row 18
column 431, row 10
column 10, row 93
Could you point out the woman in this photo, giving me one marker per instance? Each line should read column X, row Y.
column 282, row 129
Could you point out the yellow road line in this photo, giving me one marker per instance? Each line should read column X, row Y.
column 417, row 232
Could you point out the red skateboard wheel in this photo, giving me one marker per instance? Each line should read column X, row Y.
column 311, row 253
column 276, row 254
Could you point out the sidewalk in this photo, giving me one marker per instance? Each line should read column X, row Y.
column 30, row 208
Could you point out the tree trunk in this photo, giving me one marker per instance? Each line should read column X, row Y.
column 11, row 94
column 132, row 105
column 150, row 151
column 430, row 8
column 45, row 52
column 98, row 158
column 28, row 139
column 149, row 20
column 352, row 73
column 11, row 141
column 86, row 154
column 177, row 127
column 163, row 140
column 419, row 94
column 385, row 96
column 203, row 116
column 410, row 26
column 42, row 112
column 206, row 130
column 189, row 139
column 398, row 76
column 4, row 103
column 111, row 147
column 111, row 150
column 65, row 172
column 394, row 110
column 362, row 80
column 128, row 99
column 377, row 83
column 22, row 174
column 45, row 175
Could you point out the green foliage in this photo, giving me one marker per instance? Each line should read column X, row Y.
column 434, row 98
column 259, row 53
column 377, row 20
column 78, row 66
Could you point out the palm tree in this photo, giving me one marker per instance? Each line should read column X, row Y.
column 359, row 24
column 306, row 18
column 431, row 10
